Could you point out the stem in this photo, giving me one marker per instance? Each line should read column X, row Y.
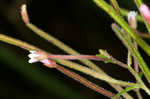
column 143, row 86
column 138, row 4
column 90, row 57
column 135, row 61
column 139, row 94
column 85, row 81
column 133, row 50
column 129, row 63
column 116, row 6
column 95, row 74
column 53, row 40
column 79, row 68
column 75, row 57
column 88, row 63
column 119, row 20
column 127, row 89
column 129, row 59
column 18, row 43
column 144, row 35
column 27, row 46
column 61, row 45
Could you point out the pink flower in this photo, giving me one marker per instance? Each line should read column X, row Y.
column 36, row 56
column 145, row 11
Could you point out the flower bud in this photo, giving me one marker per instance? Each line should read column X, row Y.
column 132, row 19
column 145, row 11
column 24, row 14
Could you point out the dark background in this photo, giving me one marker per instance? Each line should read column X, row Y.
column 79, row 24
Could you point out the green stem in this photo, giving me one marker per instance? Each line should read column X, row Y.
column 135, row 74
column 95, row 74
column 119, row 20
column 27, row 46
column 18, row 43
column 61, row 45
column 139, row 94
column 143, row 86
column 129, row 59
column 116, row 6
column 90, row 64
column 138, row 4
column 125, row 91
column 133, row 50
column 69, row 64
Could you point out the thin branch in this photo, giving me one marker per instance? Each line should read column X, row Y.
column 136, row 66
column 18, row 43
column 105, row 6
column 75, row 57
column 133, row 50
column 90, row 57
column 88, row 63
column 139, row 94
column 85, row 82
column 53, row 40
column 115, row 6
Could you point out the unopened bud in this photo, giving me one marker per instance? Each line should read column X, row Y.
column 145, row 11
column 24, row 13
column 132, row 19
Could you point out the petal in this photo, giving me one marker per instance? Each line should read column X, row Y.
column 46, row 61
column 32, row 51
column 33, row 55
column 32, row 60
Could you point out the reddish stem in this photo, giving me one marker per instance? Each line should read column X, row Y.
column 135, row 61
column 85, row 82
column 81, row 80
column 74, row 57
column 90, row 57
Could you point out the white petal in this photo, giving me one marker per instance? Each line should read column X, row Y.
column 33, row 55
column 32, row 60
column 132, row 15
column 32, row 51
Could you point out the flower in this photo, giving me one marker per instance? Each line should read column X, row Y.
column 132, row 19
column 145, row 11
column 36, row 56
